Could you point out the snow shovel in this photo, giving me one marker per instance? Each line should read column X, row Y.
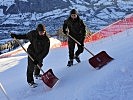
column 99, row 60
column 48, row 77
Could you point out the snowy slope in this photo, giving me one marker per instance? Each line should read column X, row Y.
column 80, row 82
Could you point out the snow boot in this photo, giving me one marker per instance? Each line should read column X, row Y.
column 32, row 84
column 70, row 63
column 77, row 59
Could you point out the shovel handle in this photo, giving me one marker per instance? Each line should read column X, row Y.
column 80, row 44
column 28, row 53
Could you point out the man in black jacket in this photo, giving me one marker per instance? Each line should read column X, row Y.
column 38, row 50
column 76, row 29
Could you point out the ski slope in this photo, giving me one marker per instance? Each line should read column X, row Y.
column 80, row 82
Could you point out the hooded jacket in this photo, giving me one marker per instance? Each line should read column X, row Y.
column 39, row 45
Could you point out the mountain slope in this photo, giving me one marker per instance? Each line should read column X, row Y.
column 96, row 13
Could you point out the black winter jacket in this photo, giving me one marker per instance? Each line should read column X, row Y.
column 39, row 46
column 76, row 27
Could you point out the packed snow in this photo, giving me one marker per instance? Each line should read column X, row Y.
column 80, row 82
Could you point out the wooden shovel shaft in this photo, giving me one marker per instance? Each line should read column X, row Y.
column 80, row 44
column 28, row 53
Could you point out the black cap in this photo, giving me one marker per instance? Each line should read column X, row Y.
column 41, row 27
column 73, row 11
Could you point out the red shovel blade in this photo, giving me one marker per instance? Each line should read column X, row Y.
column 49, row 78
column 99, row 60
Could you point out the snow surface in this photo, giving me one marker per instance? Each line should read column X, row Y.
column 80, row 82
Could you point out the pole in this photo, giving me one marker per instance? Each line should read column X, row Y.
column 4, row 92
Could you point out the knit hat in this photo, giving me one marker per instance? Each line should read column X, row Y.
column 73, row 11
column 41, row 27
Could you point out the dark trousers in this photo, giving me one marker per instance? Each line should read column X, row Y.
column 71, row 47
column 32, row 69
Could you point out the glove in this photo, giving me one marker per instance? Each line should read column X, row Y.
column 13, row 35
column 35, row 62
column 66, row 33
column 40, row 64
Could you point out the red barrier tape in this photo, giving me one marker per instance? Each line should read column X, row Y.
column 10, row 53
column 112, row 29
